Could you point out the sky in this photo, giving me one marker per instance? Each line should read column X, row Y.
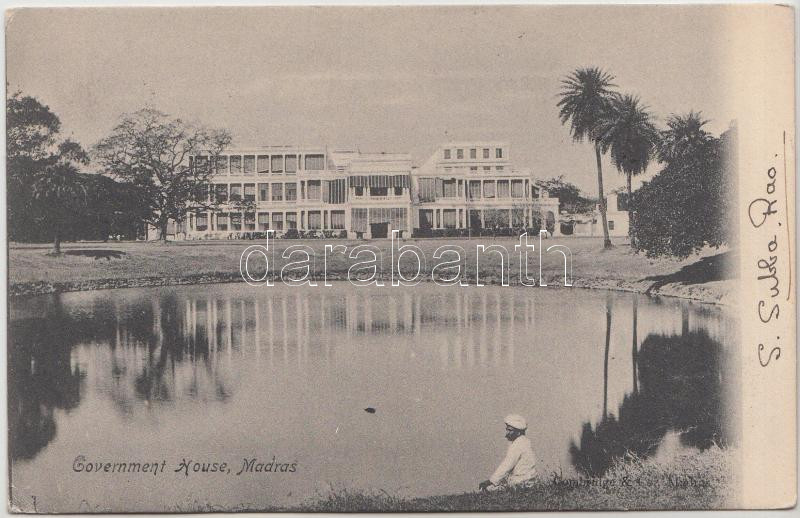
column 371, row 78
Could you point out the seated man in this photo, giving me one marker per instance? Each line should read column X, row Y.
column 519, row 465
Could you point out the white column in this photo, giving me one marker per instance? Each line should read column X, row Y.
column 557, row 224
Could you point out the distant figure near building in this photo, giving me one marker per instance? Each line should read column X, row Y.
column 519, row 465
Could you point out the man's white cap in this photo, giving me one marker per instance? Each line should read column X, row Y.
column 516, row 421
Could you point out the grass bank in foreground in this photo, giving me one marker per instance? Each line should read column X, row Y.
column 687, row 481
column 86, row 266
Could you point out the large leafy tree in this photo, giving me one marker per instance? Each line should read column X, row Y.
column 628, row 134
column 687, row 205
column 153, row 151
column 585, row 98
column 59, row 194
column 113, row 209
column 44, row 189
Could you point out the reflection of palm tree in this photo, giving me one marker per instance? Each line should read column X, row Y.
column 680, row 390
column 634, row 348
column 607, row 349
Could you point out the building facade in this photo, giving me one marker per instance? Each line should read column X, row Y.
column 474, row 185
column 590, row 225
column 314, row 192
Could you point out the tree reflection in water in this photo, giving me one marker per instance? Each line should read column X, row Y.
column 41, row 379
column 141, row 350
column 678, row 388
column 168, row 330
column 43, row 376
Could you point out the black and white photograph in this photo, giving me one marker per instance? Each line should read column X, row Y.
column 399, row 258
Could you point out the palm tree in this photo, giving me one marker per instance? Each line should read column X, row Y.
column 627, row 131
column 585, row 99
column 684, row 137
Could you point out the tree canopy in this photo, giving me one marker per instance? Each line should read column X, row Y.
column 154, row 152
column 44, row 189
column 627, row 133
column 585, row 100
column 570, row 198
column 689, row 204
column 49, row 198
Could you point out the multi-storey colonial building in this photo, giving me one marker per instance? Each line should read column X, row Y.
column 475, row 185
column 302, row 189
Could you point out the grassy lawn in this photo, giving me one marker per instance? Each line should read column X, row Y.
column 687, row 481
column 702, row 277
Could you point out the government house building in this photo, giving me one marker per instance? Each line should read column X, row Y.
column 474, row 185
column 316, row 192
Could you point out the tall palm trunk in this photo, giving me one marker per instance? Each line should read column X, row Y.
column 57, row 243
column 601, row 197
column 630, row 211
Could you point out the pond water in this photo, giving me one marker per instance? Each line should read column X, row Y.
column 222, row 373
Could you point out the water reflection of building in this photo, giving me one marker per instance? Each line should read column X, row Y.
column 289, row 327
column 194, row 346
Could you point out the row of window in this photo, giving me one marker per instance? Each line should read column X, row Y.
column 450, row 218
column 249, row 221
column 276, row 191
column 496, row 189
column 473, row 153
column 431, row 189
column 474, row 169
column 261, row 164
column 377, row 192
column 287, row 191
column 222, row 192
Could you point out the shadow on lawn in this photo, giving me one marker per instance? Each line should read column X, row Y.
column 97, row 254
column 718, row 267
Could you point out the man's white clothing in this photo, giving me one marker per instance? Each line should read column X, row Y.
column 518, row 466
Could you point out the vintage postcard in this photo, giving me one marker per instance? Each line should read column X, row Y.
column 411, row 258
